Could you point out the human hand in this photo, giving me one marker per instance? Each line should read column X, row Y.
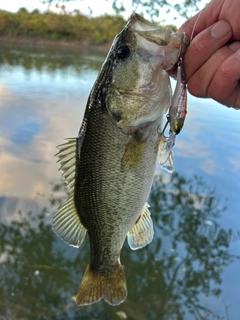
column 212, row 61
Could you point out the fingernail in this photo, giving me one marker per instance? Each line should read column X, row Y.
column 220, row 29
column 234, row 46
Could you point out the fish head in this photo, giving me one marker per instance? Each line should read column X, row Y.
column 136, row 86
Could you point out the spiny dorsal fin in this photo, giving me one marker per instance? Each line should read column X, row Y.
column 66, row 222
column 67, row 158
column 142, row 232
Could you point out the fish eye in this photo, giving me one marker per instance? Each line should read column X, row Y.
column 123, row 52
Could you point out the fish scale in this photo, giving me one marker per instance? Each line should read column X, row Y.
column 113, row 189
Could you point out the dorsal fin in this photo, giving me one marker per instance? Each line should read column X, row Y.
column 67, row 158
column 66, row 221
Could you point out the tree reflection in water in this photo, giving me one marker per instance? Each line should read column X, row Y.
column 40, row 59
column 168, row 279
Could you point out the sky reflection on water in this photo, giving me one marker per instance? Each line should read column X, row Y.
column 43, row 94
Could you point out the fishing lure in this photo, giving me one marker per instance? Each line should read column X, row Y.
column 176, row 116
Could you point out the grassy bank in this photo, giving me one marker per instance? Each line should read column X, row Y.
column 65, row 29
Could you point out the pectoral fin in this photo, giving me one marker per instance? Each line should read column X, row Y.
column 169, row 164
column 133, row 154
column 66, row 222
column 165, row 153
column 142, row 232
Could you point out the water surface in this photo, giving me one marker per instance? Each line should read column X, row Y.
column 189, row 271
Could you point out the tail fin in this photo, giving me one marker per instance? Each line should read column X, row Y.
column 94, row 287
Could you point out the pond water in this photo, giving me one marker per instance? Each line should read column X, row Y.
column 191, row 270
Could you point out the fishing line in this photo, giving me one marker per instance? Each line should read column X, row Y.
column 194, row 26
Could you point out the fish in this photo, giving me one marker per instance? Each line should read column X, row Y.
column 109, row 167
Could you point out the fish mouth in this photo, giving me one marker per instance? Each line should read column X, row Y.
column 161, row 43
column 138, row 23
column 149, row 31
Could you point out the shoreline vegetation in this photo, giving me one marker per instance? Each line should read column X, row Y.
column 63, row 30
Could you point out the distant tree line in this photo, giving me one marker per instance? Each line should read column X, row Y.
column 65, row 27
column 154, row 8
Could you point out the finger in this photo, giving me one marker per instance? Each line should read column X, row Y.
column 225, row 86
column 200, row 82
column 204, row 45
column 203, row 19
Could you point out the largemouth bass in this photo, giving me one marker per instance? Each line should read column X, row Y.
column 109, row 167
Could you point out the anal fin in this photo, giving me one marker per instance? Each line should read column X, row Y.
column 142, row 232
column 94, row 287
